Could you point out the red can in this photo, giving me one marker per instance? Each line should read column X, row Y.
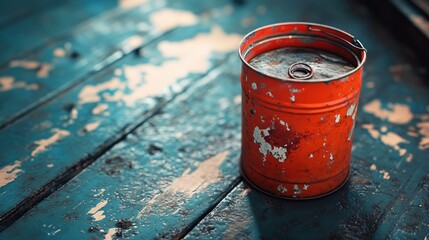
column 300, row 92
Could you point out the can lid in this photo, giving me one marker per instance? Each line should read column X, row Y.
column 302, row 52
column 301, row 63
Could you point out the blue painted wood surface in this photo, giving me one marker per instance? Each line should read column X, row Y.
column 87, row 49
column 22, row 36
column 169, row 118
column 13, row 11
column 62, row 123
column 79, row 57
column 162, row 184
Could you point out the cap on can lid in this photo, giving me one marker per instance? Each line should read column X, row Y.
column 299, row 51
column 301, row 63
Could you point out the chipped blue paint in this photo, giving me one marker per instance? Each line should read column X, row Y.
column 50, row 22
column 136, row 181
column 110, row 31
column 139, row 177
column 58, row 114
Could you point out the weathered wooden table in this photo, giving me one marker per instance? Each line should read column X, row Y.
column 123, row 121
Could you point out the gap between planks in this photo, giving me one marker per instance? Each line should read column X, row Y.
column 29, row 202
column 218, row 200
column 112, row 58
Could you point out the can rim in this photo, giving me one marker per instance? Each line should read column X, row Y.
column 359, row 66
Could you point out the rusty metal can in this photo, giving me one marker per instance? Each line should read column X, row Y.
column 300, row 92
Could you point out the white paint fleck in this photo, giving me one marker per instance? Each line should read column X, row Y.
column 392, row 139
column 26, row 64
column 351, row 131
column 208, row 172
column 292, row 98
column 190, row 183
column 409, row 157
column 143, row 80
column 337, row 118
column 296, row 189
column 179, row 135
column 59, row 52
column 43, row 144
column 373, row 132
column 91, row 126
column 254, row 86
column 386, row 174
column 373, row 167
column 412, row 134
column 96, row 212
column 264, row 147
column 306, row 186
column 127, row 4
column 9, row 173
column 370, row 85
column 100, row 108
column 50, row 165
column 270, row 94
column 74, row 113
column 281, row 189
column 237, row 99
column 245, row 192
column 43, row 68
column 118, row 72
column 167, row 19
column 331, row 159
column 285, row 124
column 100, row 192
column 131, row 43
column 43, row 71
column 110, row 234
column 423, row 128
column 311, row 155
column 397, row 113
column 55, row 232
column 90, row 93
column 351, row 110
column 9, row 83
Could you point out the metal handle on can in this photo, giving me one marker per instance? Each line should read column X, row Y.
column 356, row 43
column 306, row 72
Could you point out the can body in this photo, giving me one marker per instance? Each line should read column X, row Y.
column 297, row 133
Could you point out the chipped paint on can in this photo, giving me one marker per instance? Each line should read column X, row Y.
column 300, row 91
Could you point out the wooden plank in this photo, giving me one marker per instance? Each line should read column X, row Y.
column 385, row 197
column 407, row 218
column 32, row 32
column 357, row 196
column 94, row 116
column 211, row 40
column 88, row 49
column 13, row 11
column 160, row 180
column 408, row 23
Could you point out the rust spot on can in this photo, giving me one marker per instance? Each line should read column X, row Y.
column 300, row 89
